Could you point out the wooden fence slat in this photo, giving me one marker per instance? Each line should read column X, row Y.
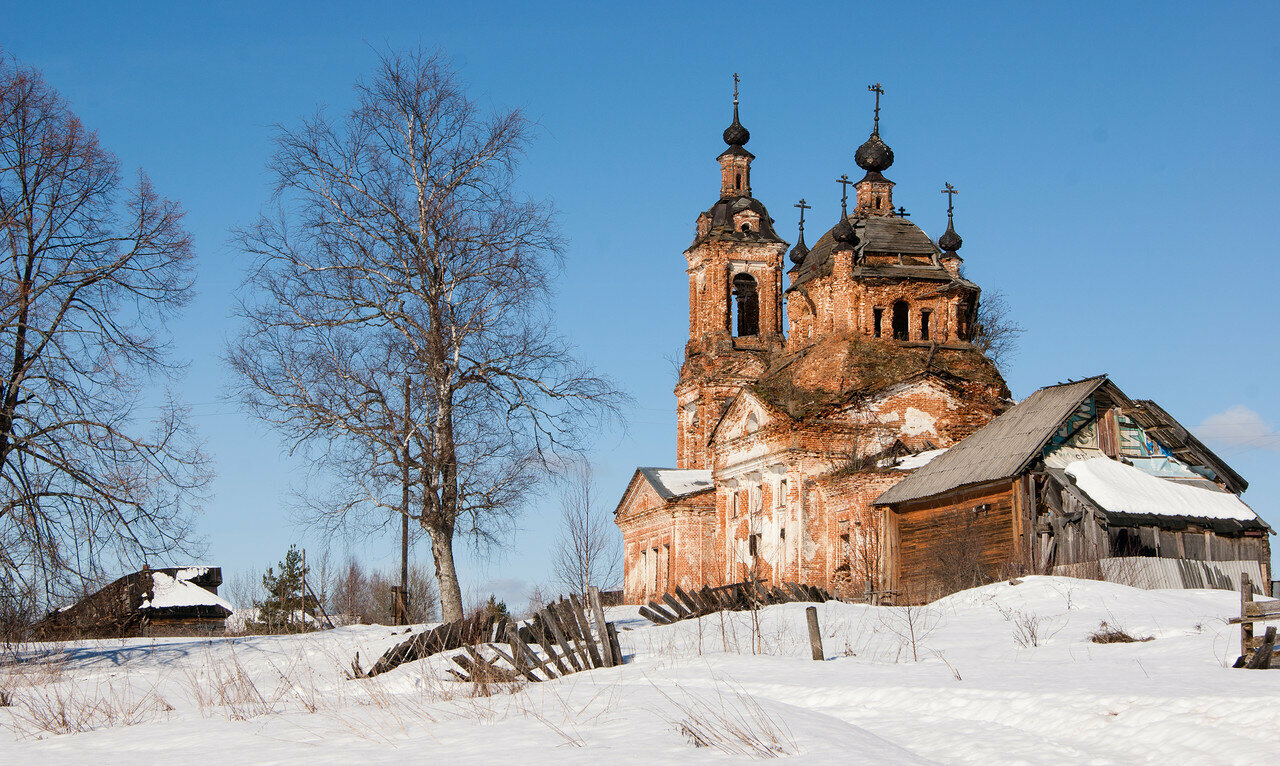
column 570, row 623
column 615, row 648
column 553, row 621
column 541, row 633
column 693, row 606
column 654, row 606
column 680, row 612
column 1261, row 659
column 597, row 612
column 574, row 632
column 1262, row 609
column 653, row 616
column 581, row 615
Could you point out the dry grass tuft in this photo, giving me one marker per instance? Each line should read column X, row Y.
column 734, row 723
column 1110, row 634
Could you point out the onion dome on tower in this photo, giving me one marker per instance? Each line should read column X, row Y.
column 737, row 216
column 736, row 134
column 950, row 242
column 801, row 249
column 874, row 156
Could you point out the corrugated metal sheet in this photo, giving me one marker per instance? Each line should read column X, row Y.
column 1154, row 573
column 998, row 450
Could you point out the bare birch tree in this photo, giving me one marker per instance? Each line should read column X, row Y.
column 995, row 332
column 397, row 317
column 588, row 549
column 94, row 473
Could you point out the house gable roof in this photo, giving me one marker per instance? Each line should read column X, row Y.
column 999, row 450
column 1006, row 446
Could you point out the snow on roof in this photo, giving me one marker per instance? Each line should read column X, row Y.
column 170, row 592
column 677, row 482
column 918, row 460
column 1125, row 489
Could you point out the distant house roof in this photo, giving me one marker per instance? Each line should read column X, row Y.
column 671, row 483
column 999, row 450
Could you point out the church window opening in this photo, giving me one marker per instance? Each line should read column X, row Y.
column 877, row 203
column 879, row 321
column 737, row 181
column 900, row 313
column 753, row 545
column 746, row 305
column 924, row 324
column 746, row 228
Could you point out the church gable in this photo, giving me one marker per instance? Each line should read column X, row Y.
column 640, row 496
column 745, row 415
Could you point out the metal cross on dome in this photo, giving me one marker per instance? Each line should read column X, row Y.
column 951, row 193
column 844, row 181
column 735, row 88
column 803, row 207
column 879, row 91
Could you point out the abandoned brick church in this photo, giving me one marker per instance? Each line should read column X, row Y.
column 787, row 441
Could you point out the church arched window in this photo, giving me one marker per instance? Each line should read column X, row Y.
column 901, row 312
column 746, row 305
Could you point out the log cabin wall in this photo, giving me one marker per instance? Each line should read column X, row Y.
column 949, row 543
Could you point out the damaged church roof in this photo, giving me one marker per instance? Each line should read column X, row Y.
column 880, row 235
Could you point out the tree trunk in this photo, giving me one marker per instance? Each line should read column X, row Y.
column 446, row 574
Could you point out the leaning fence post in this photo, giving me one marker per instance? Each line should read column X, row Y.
column 1246, row 628
column 815, row 636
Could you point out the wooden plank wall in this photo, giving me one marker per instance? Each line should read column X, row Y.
column 934, row 541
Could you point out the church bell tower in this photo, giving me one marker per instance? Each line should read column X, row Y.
column 735, row 299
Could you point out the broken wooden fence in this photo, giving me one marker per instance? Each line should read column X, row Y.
column 736, row 597
column 568, row 636
column 451, row 635
column 1255, row 653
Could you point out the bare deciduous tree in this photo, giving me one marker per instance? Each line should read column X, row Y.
column 94, row 473
column 588, row 549
column 995, row 333
column 397, row 317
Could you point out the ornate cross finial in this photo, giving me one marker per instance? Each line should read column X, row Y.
column 844, row 181
column 902, row 212
column 879, row 91
column 951, row 193
column 735, row 88
column 803, row 207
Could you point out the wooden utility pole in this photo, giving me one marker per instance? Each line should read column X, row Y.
column 402, row 599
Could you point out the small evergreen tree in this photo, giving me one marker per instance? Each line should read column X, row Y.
column 496, row 608
column 285, row 604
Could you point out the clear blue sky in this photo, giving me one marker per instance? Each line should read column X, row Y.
column 1116, row 162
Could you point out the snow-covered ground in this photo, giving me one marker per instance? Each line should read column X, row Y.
column 1000, row 674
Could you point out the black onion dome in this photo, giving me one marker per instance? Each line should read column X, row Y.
column 874, row 155
column 735, row 134
column 844, row 234
column 950, row 241
column 799, row 251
